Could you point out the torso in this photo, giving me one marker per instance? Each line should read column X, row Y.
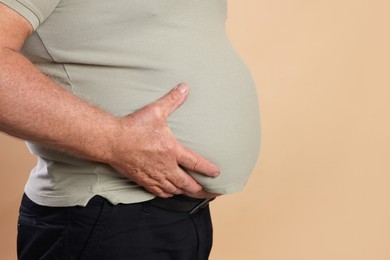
column 123, row 55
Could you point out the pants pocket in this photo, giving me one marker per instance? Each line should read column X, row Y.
column 36, row 241
column 41, row 233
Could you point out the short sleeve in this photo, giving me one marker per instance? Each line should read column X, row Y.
column 35, row 11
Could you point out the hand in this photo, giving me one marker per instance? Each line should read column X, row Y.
column 148, row 153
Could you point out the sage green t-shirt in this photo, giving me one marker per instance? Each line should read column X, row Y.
column 122, row 55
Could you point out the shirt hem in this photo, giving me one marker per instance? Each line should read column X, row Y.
column 229, row 189
column 125, row 196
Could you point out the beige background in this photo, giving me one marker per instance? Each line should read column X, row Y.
column 321, row 186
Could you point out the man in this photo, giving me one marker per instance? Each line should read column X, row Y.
column 116, row 178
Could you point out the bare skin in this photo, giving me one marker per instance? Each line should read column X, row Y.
column 35, row 108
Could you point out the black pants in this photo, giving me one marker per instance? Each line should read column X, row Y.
column 102, row 231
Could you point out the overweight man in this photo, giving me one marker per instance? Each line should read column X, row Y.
column 140, row 113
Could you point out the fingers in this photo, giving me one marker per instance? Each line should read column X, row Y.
column 158, row 191
column 173, row 100
column 195, row 162
column 170, row 188
column 184, row 182
column 178, row 182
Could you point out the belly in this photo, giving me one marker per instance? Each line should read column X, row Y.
column 219, row 120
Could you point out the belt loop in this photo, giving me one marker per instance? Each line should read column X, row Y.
column 200, row 206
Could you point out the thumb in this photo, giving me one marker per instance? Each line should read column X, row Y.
column 173, row 99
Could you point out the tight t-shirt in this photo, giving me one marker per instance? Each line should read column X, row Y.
column 122, row 55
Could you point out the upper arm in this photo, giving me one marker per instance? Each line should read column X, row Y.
column 14, row 29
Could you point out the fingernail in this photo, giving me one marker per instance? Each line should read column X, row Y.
column 216, row 174
column 182, row 88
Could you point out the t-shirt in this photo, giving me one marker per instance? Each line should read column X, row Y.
column 122, row 55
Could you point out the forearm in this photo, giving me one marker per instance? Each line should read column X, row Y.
column 35, row 108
